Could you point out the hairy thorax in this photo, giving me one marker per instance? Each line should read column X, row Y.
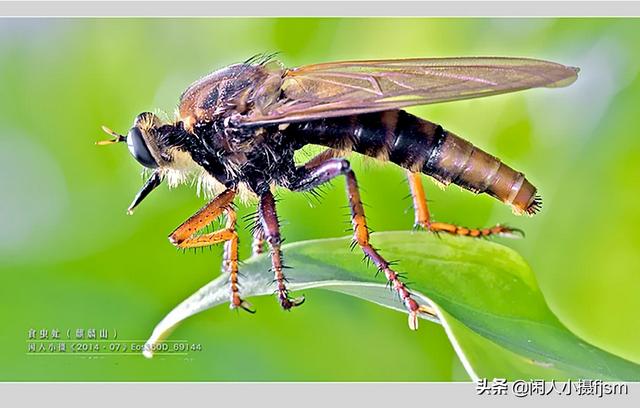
column 253, row 159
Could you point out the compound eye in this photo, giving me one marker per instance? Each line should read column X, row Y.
column 139, row 150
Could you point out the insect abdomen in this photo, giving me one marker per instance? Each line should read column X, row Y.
column 422, row 146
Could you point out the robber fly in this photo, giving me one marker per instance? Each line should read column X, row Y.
column 237, row 130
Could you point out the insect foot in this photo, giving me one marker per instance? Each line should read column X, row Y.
column 288, row 303
column 238, row 302
column 413, row 314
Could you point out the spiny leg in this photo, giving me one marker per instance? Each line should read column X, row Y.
column 230, row 263
column 185, row 236
column 271, row 228
column 311, row 178
column 257, row 244
column 423, row 218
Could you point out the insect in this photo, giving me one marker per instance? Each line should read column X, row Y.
column 237, row 129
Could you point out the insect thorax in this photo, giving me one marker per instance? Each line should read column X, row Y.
column 255, row 157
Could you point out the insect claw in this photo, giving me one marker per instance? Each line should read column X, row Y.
column 244, row 305
column 413, row 320
column 288, row 303
column 515, row 233
column 247, row 307
column 427, row 310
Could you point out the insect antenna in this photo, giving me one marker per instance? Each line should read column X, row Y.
column 117, row 137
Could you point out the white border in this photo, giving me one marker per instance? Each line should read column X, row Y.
column 310, row 8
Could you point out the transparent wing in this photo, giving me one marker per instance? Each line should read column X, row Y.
column 354, row 87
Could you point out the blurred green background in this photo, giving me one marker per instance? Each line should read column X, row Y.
column 70, row 257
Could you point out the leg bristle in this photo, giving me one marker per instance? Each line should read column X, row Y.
column 535, row 206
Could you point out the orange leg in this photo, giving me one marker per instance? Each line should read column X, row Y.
column 308, row 179
column 185, row 236
column 361, row 238
column 423, row 218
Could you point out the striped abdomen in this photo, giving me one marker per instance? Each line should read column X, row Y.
column 422, row 146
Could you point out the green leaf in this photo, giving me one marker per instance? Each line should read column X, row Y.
column 485, row 295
